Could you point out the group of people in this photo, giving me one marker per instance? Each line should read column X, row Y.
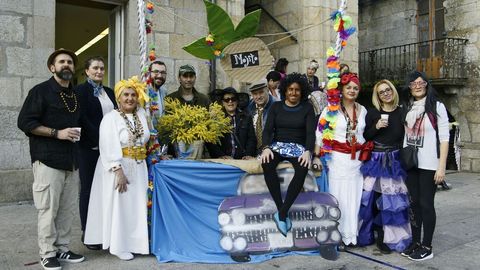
column 376, row 194
column 99, row 135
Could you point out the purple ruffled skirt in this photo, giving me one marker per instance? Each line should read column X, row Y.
column 383, row 174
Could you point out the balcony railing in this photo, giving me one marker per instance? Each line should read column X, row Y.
column 443, row 60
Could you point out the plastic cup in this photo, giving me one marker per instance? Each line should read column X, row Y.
column 79, row 129
column 384, row 117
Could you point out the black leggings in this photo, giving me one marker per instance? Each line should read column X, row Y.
column 421, row 189
column 273, row 183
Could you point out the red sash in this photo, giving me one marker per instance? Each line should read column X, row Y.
column 365, row 149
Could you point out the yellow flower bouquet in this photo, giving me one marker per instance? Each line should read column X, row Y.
column 186, row 123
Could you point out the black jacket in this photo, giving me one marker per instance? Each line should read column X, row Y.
column 91, row 113
column 44, row 107
column 244, row 136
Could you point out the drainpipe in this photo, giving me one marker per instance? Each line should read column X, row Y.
column 213, row 68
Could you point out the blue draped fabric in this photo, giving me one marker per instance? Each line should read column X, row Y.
column 185, row 210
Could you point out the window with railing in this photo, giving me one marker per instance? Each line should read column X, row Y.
column 443, row 60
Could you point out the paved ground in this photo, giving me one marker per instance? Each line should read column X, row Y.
column 456, row 242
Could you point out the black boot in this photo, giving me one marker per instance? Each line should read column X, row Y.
column 384, row 249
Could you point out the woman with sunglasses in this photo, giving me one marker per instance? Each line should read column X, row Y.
column 426, row 127
column 241, row 142
column 384, row 206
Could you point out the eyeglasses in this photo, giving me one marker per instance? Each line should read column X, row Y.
column 232, row 99
column 158, row 71
column 418, row 84
column 385, row 92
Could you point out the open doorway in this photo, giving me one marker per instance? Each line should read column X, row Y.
column 81, row 22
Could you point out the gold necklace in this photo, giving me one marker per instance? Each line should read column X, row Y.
column 64, row 95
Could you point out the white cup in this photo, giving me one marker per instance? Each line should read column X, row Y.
column 384, row 117
column 79, row 129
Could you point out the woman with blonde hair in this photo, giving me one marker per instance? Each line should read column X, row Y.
column 117, row 213
column 384, row 206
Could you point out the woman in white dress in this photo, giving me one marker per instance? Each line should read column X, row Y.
column 347, row 152
column 117, row 214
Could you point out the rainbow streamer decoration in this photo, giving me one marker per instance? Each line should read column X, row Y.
column 342, row 24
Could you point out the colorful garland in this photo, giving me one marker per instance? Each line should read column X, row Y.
column 326, row 125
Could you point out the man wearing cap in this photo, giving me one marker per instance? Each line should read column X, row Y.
column 241, row 143
column 50, row 117
column 259, row 107
column 186, row 93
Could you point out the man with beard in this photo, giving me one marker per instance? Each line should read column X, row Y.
column 50, row 117
column 156, row 90
column 186, row 93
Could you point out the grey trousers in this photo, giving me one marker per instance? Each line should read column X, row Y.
column 55, row 195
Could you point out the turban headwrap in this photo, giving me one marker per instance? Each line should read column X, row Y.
column 135, row 84
column 350, row 77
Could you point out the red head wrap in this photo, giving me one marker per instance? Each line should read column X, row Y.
column 349, row 77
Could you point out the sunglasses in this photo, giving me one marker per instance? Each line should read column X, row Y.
column 418, row 84
column 227, row 100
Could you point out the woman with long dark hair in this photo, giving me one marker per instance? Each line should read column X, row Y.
column 426, row 127
column 289, row 134
column 384, row 207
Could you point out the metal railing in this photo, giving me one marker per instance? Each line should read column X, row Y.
column 443, row 60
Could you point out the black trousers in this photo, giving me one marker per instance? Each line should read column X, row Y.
column 87, row 162
column 273, row 183
column 421, row 189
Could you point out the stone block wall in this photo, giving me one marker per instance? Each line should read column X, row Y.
column 312, row 42
column 26, row 39
column 462, row 20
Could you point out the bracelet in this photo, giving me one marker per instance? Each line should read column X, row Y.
column 53, row 133
column 265, row 147
column 116, row 168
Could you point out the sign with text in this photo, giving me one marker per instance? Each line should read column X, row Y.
column 244, row 59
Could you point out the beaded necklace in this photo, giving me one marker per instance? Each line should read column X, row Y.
column 64, row 95
column 351, row 124
column 136, row 131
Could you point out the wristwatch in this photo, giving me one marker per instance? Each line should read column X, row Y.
column 54, row 133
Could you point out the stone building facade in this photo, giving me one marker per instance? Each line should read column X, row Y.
column 27, row 37
column 393, row 23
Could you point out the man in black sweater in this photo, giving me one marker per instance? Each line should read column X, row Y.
column 49, row 117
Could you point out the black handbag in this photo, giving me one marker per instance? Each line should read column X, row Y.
column 409, row 154
column 409, row 157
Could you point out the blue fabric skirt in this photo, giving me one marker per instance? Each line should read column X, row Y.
column 383, row 174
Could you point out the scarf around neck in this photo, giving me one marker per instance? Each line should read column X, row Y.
column 417, row 110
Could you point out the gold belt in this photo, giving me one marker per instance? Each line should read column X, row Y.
column 135, row 152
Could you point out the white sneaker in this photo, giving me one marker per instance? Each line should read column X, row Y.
column 126, row 256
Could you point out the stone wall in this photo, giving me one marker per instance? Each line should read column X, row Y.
column 386, row 23
column 311, row 43
column 462, row 20
column 389, row 23
column 26, row 39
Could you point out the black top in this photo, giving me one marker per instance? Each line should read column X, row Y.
column 198, row 98
column 44, row 107
column 290, row 124
column 91, row 113
column 244, row 136
column 391, row 135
